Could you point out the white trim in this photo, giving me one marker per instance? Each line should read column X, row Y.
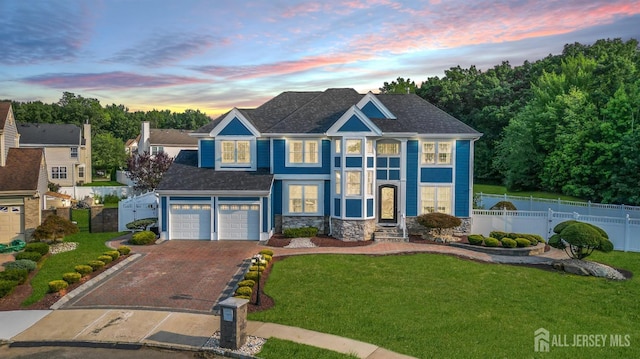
column 287, row 148
column 194, row 193
column 253, row 153
column 285, row 198
column 451, row 187
column 234, row 113
column 302, row 177
column 353, row 111
column 371, row 97
column 436, row 143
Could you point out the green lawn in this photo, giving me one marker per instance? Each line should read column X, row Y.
column 103, row 184
column 90, row 247
column 276, row 348
column 429, row 305
column 494, row 189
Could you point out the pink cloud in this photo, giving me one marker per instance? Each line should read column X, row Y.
column 109, row 81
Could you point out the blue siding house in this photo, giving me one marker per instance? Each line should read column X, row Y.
column 338, row 160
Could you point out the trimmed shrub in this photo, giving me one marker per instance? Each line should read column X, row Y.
column 538, row 238
column 244, row 291
column 34, row 256
column 96, row 265
column 522, row 242
column 267, row 252
column 27, row 264
column 19, row 275
column 124, row 250
column 141, row 224
column 7, row 286
column 251, row 275
column 105, row 259
column 71, row 277
column 561, row 226
column 54, row 228
column 504, row 205
column 509, row 243
column 255, row 268
column 300, row 232
column 246, row 283
column 83, row 269
column 475, row 239
column 491, row 242
column 57, row 285
column 242, row 297
column 438, row 221
column 39, row 247
column 580, row 239
column 498, row 235
column 267, row 257
column 143, row 238
column 113, row 254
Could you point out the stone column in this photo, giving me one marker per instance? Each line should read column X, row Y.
column 233, row 323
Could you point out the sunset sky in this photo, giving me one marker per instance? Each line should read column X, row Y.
column 215, row 55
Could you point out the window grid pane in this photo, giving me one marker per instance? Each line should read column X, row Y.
column 228, row 152
column 429, row 153
column 354, row 147
column 338, row 182
column 243, row 152
column 311, row 152
column 444, row 153
column 370, row 183
column 353, row 183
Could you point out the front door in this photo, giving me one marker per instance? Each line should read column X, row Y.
column 387, row 203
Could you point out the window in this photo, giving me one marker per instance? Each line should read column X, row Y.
column 354, row 147
column 338, row 182
column 236, row 152
column 74, row 152
column 81, row 171
column 58, row 172
column 156, row 149
column 303, row 151
column 338, row 146
column 369, row 147
column 353, row 183
column 386, row 149
column 303, row 198
column 369, row 183
column 435, row 199
column 436, row 153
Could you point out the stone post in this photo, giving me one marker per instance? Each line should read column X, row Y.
column 233, row 323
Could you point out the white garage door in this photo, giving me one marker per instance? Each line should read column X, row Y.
column 11, row 223
column 190, row 221
column 240, row 221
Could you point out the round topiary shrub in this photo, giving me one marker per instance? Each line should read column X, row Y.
column 522, row 242
column 34, row 256
column 255, row 268
column 27, row 264
column 105, row 259
column 509, row 243
column 124, row 250
column 498, row 235
column 57, row 285
column 251, row 275
column 475, row 239
column 242, row 297
column 113, row 254
column 96, row 265
column 247, row 283
column 503, row 205
column 39, row 247
column 267, row 257
column 267, row 252
column 143, row 238
column 19, row 275
column 71, row 277
column 491, row 242
column 7, row 286
column 83, row 269
column 244, row 291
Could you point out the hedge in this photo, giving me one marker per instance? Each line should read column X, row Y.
column 39, row 247
column 244, row 291
column 246, row 283
column 475, row 239
column 34, row 256
column 19, row 275
column 27, row 264
column 300, row 232
column 124, row 250
column 7, row 286
column 509, row 243
column 57, row 285
column 96, row 265
column 113, row 254
column 83, row 269
column 143, row 238
column 71, row 277
column 491, row 242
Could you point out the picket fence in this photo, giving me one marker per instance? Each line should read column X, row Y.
column 137, row 207
column 623, row 232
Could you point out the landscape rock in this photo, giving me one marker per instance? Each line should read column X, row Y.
column 581, row 267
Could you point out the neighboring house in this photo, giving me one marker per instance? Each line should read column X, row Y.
column 67, row 149
column 23, row 181
column 337, row 160
column 155, row 140
column 131, row 146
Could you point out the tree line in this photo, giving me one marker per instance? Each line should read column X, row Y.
column 566, row 123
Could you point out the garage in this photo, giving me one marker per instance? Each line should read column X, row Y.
column 239, row 222
column 190, row 221
column 11, row 218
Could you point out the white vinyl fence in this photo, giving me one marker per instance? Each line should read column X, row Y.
column 81, row 192
column 624, row 232
column 137, row 207
column 487, row 201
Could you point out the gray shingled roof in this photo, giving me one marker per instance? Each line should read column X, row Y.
column 315, row 112
column 49, row 134
column 185, row 175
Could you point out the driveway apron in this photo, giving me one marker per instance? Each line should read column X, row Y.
column 175, row 275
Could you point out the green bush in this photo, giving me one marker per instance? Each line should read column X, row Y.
column 141, row 224
column 438, row 221
column 54, row 228
column 580, row 239
column 475, row 239
column 491, row 242
column 27, row 264
column 71, row 277
column 246, row 283
column 267, row 257
column 562, row 225
column 267, row 252
column 498, row 235
column 300, row 232
column 96, row 265
column 244, row 291
column 143, row 238
column 39, row 247
column 105, row 259
column 509, row 243
column 57, row 285
column 255, row 268
column 251, row 275
column 242, row 297
column 124, row 250
column 34, row 256
column 113, row 254
column 503, row 205
column 7, row 286
column 83, row 269
column 19, row 275
column 522, row 242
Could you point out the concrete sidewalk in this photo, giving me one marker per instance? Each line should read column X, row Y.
column 170, row 330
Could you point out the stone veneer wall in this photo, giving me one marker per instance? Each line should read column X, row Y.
column 414, row 228
column 32, row 216
column 320, row 222
column 353, row 230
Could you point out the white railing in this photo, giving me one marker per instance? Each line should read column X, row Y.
column 81, row 192
column 623, row 232
column 403, row 224
column 531, row 203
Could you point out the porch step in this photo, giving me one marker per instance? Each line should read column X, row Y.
column 388, row 234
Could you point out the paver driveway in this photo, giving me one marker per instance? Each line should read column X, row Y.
column 175, row 275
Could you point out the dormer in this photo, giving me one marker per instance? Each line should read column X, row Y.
column 235, row 143
column 354, row 123
column 373, row 108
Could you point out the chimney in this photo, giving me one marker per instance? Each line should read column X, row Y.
column 143, row 145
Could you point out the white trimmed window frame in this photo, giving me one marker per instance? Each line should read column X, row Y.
column 350, row 175
column 235, row 165
column 290, row 146
column 437, row 201
column 432, row 153
column 286, row 205
column 58, row 172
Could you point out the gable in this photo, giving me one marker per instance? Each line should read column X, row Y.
column 235, row 128
column 372, row 111
column 234, row 123
column 354, row 124
column 353, row 121
column 371, row 106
